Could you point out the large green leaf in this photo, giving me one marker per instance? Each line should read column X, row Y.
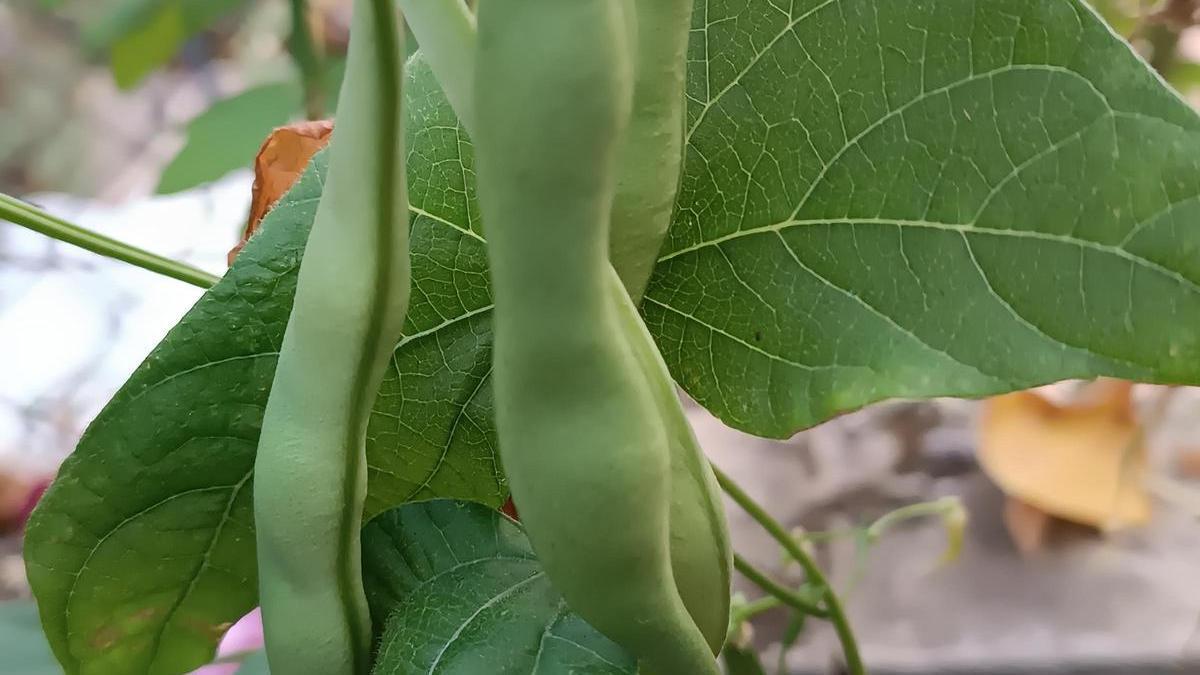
column 142, row 552
column 918, row 198
column 456, row 588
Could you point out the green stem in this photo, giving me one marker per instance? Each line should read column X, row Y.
column 833, row 605
column 753, row 609
column 307, row 56
column 939, row 507
column 28, row 216
column 445, row 30
column 782, row 593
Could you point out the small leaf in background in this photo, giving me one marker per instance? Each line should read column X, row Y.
column 464, row 593
column 151, row 44
column 1083, row 462
column 279, row 164
column 142, row 35
column 223, row 138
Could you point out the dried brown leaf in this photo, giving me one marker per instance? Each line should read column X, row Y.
column 278, row 166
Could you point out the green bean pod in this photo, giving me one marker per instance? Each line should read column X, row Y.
column 649, row 170
column 701, row 554
column 584, row 447
column 351, row 298
column 652, row 155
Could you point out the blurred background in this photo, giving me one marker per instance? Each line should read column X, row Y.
column 140, row 119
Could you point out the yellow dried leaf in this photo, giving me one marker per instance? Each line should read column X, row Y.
column 1082, row 462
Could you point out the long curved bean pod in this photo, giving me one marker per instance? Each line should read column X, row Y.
column 701, row 553
column 582, row 441
column 351, row 298
column 652, row 155
column 649, row 169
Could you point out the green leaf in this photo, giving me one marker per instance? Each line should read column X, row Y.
column 916, row 199
column 21, row 641
column 881, row 199
column 463, row 592
column 148, row 46
column 742, row 661
column 142, row 35
column 226, row 136
column 142, row 552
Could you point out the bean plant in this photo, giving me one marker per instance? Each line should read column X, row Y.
column 523, row 237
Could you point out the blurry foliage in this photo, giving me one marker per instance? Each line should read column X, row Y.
column 134, row 38
column 137, row 37
column 224, row 137
column 142, row 35
column 74, row 124
column 1157, row 28
column 218, row 138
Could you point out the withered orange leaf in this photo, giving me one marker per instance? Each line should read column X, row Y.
column 278, row 165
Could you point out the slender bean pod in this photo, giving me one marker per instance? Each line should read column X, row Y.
column 701, row 563
column 351, row 298
column 583, row 444
column 446, row 32
column 701, row 554
column 648, row 178
column 652, row 155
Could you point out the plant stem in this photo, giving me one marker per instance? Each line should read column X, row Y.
column 753, row 609
column 28, row 216
column 833, row 605
column 307, row 56
column 939, row 507
column 784, row 594
column 445, row 30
